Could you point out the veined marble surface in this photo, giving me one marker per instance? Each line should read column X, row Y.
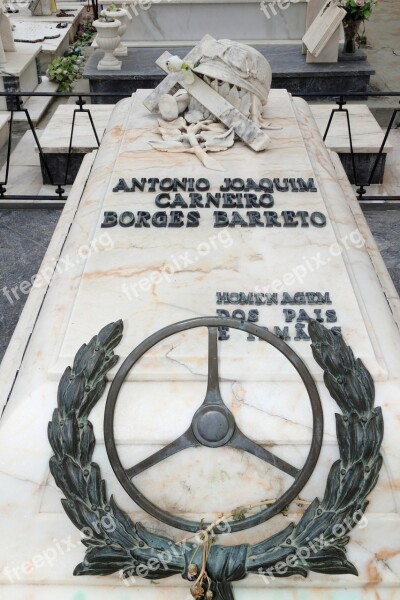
column 153, row 408
column 185, row 21
column 128, row 288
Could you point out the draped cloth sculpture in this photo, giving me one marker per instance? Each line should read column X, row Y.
column 223, row 92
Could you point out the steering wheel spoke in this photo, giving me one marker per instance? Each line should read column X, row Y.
column 186, row 440
column 213, row 394
column 242, row 442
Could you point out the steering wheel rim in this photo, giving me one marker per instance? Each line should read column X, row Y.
column 213, row 322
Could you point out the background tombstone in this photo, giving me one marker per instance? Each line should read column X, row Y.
column 40, row 8
column 6, row 37
column 6, row 34
column 322, row 37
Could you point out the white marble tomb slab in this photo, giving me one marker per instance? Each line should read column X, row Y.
column 34, row 32
column 191, row 290
column 272, row 410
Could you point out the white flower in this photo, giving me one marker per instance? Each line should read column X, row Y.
column 174, row 64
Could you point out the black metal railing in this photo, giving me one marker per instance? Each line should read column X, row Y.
column 368, row 201
column 59, row 197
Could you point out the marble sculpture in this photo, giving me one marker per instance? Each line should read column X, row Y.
column 238, row 74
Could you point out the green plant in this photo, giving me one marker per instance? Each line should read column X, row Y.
column 106, row 19
column 359, row 9
column 85, row 32
column 113, row 7
column 64, row 70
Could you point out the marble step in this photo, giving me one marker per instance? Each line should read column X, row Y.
column 57, row 133
column 37, row 105
column 391, row 180
column 25, row 176
column 367, row 138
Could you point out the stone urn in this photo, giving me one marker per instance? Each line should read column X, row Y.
column 121, row 15
column 108, row 39
column 351, row 28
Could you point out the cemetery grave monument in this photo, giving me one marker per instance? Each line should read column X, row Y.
column 203, row 399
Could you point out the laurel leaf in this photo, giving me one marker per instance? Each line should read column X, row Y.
column 373, row 476
column 69, row 508
column 70, row 437
column 54, row 435
column 104, row 491
column 332, row 486
column 94, row 485
column 357, row 438
column 274, row 540
column 92, row 397
column 356, row 395
column 80, row 358
column 307, row 518
column 70, row 391
column 373, row 436
column 344, row 439
column 321, row 525
column 332, row 561
column 86, row 444
column 125, row 532
column 102, row 561
column 111, row 335
column 89, row 518
column 367, row 384
column 153, row 540
column 94, row 364
column 297, row 569
column 351, row 485
column 74, row 478
column 332, row 353
column 336, row 391
column 111, row 361
column 90, row 542
column 58, row 473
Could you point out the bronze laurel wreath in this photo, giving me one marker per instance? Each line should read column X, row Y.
column 129, row 547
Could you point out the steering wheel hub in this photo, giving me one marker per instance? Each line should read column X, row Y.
column 213, row 426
